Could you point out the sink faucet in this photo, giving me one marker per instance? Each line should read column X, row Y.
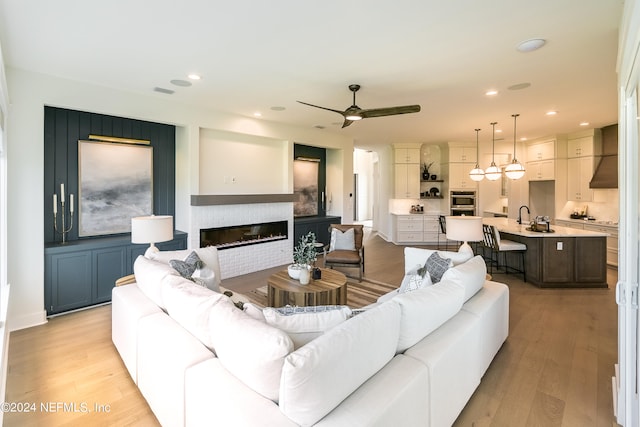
column 520, row 213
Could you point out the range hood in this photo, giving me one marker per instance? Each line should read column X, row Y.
column 606, row 174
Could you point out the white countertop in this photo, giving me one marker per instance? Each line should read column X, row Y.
column 611, row 224
column 506, row 225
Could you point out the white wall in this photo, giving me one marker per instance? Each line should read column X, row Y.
column 30, row 92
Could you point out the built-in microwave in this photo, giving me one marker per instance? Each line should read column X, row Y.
column 463, row 199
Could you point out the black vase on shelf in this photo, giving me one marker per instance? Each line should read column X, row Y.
column 425, row 176
column 434, row 177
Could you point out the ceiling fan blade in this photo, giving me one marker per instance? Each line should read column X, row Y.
column 347, row 123
column 324, row 108
column 389, row 111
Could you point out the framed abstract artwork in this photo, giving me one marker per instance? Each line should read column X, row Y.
column 305, row 188
column 115, row 185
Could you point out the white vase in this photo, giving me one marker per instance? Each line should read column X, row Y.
column 294, row 271
column 305, row 274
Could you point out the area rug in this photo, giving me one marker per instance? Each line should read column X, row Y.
column 359, row 294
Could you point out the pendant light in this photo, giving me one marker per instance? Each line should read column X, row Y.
column 493, row 172
column 476, row 173
column 515, row 170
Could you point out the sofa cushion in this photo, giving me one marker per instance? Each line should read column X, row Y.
column 321, row 374
column 189, row 305
column 304, row 324
column 149, row 275
column 424, row 310
column 251, row 350
column 210, row 274
column 471, row 275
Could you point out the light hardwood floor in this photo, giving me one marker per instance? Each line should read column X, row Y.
column 554, row 370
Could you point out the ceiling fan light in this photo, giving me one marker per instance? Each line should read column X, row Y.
column 493, row 172
column 476, row 174
column 353, row 117
column 514, row 170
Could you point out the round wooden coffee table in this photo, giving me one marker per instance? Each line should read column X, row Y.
column 330, row 289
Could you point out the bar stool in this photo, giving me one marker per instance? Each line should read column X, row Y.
column 498, row 246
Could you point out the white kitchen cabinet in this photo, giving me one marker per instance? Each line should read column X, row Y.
column 462, row 155
column 541, row 151
column 612, row 241
column 430, row 228
column 407, row 155
column 407, row 180
column 584, row 147
column 459, row 176
column 408, row 228
column 579, row 173
column 541, row 170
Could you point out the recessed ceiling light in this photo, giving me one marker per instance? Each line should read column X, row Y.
column 519, row 86
column 278, row 108
column 257, row 114
column 498, row 130
column 551, row 113
column 584, row 123
column 182, row 83
column 531, row 45
column 194, row 76
column 523, row 138
column 491, row 92
column 163, row 90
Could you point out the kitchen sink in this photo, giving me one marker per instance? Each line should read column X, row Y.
column 540, row 231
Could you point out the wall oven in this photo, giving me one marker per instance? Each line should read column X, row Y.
column 463, row 203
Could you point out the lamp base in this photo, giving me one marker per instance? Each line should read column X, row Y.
column 151, row 249
column 465, row 247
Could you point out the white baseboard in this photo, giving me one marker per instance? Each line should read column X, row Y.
column 15, row 323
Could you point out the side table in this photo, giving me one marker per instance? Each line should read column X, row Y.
column 330, row 289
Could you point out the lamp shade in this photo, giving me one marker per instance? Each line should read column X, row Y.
column 151, row 229
column 464, row 228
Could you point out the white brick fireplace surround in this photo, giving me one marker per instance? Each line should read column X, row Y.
column 243, row 259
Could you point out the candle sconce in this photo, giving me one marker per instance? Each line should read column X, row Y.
column 63, row 229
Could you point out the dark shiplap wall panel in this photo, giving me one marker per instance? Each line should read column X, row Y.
column 62, row 130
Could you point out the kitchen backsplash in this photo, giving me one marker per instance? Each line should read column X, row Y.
column 603, row 208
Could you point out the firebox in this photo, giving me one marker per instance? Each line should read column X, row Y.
column 243, row 235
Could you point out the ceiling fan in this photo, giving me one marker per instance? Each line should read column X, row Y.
column 354, row 112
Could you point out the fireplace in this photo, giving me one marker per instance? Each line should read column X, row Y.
column 243, row 235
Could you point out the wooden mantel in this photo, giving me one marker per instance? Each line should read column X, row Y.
column 239, row 199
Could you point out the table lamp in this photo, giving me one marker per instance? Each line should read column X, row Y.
column 151, row 229
column 464, row 229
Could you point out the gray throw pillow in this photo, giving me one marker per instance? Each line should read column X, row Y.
column 187, row 267
column 436, row 266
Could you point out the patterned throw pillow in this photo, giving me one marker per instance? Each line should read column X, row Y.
column 436, row 266
column 415, row 279
column 187, row 267
column 342, row 241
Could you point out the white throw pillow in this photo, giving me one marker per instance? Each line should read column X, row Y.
column 304, row 324
column 320, row 375
column 424, row 310
column 249, row 349
column 149, row 275
column 471, row 276
column 342, row 241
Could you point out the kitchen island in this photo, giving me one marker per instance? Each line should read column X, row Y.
column 567, row 257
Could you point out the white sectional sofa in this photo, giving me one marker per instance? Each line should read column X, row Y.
column 411, row 359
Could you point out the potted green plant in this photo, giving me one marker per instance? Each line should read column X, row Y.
column 304, row 255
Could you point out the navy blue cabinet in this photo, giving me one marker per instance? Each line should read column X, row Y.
column 81, row 273
column 318, row 224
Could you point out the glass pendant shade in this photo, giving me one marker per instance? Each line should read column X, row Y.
column 493, row 172
column 477, row 174
column 515, row 170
